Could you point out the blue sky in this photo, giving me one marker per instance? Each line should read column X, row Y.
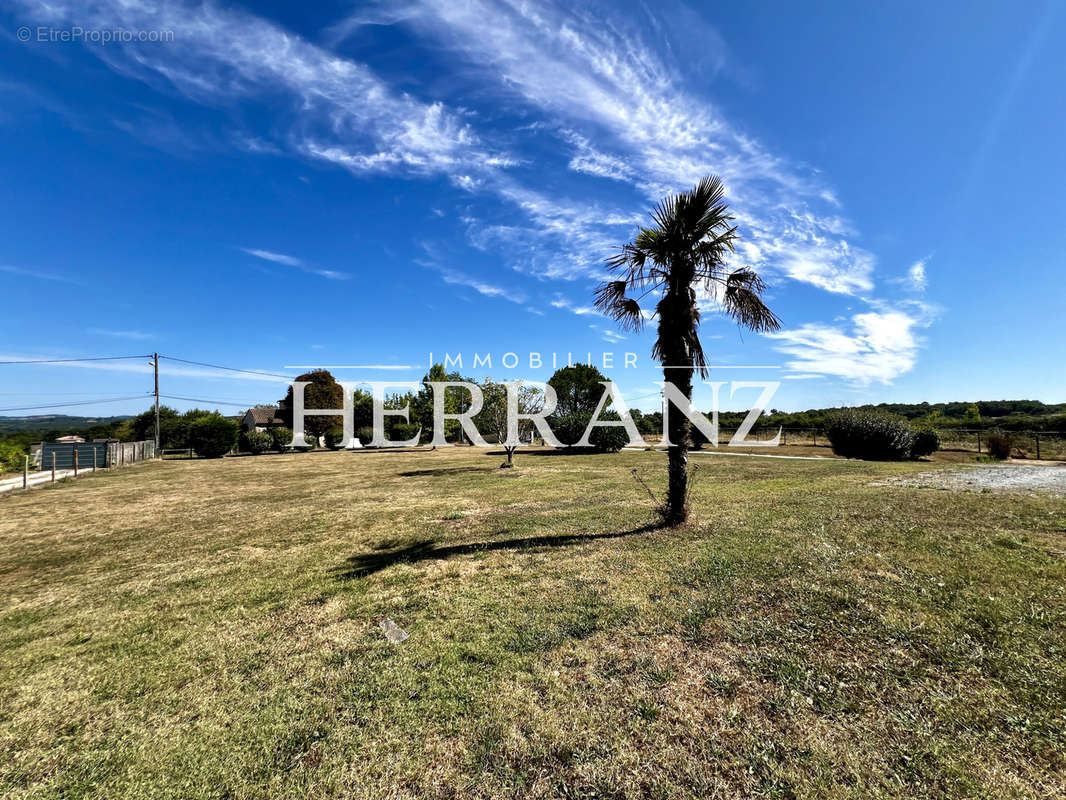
column 365, row 184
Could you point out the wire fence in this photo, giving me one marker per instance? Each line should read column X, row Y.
column 1044, row 445
column 61, row 460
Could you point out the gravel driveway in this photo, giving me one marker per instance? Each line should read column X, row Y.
column 994, row 477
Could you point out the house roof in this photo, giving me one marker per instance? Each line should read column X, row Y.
column 264, row 415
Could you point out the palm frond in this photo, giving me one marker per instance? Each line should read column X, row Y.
column 741, row 300
column 612, row 300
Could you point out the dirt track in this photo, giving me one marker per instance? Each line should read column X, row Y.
column 1044, row 478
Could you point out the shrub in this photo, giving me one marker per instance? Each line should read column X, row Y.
column 926, row 442
column 403, row 431
column 569, row 428
column 213, row 436
column 609, row 440
column 365, row 435
column 256, row 442
column 281, row 438
column 1000, row 445
column 876, row 437
column 11, row 457
column 335, row 438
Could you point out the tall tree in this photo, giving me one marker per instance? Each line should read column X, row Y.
column 685, row 249
column 456, row 401
column 578, row 389
column 324, row 392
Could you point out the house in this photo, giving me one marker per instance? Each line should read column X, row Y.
column 261, row 418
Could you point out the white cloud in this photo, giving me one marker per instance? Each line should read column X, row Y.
column 609, row 88
column 142, row 368
column 134, row 335
column 589, row 160
column 293, row 261
column 878, row 346
column 33, row 273
column 916, row 277
column 340, row 110
column 457, row 278
column 566, row 305
column 277, row 258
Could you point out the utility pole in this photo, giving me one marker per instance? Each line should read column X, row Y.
column 155, row 363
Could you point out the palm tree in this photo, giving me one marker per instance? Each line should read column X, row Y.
column 686, row 248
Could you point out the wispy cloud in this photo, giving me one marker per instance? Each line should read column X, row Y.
column 143, row 368
column 607, row 334
column 576, row 308
column 293, row 261
column 457, row 278
column 37, row 274
column 133, row 335
column 611, row 88
column 589, row 160
column 916, row 277
column 340, row 111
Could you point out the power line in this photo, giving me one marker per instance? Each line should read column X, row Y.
column 229, row 369
column 69, row 360
column 56, row 394
column 202, row 400
column 76, row 403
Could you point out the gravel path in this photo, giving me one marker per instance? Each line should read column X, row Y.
column 997, row 478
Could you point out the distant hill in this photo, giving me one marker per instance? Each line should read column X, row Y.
column 54, row 422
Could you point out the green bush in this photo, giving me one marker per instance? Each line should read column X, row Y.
column 403, row 431
column 256, row 442
column 609, row 440
column 875, row 437
column 365, row 435
column 1000, row 445
column 213, row 436
column 281, row 438
column 569, row 428
column 926, row 442
column 11, row 457
column 335, row 438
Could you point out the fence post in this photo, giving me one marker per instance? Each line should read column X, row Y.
column 979, row 442
column 784, row 438
column 1038, row 447
column 815, row 437
column 94, row 458
column 75, row 461
column 25, row 472
column 53, row 466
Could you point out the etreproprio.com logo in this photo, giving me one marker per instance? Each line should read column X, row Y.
column 46, row 34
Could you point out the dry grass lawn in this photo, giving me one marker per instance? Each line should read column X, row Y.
column 210, row 629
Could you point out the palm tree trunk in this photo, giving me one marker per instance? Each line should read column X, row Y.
column 672, row 329
column 676, row 511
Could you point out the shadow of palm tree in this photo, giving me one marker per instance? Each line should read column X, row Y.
column 363, row 564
